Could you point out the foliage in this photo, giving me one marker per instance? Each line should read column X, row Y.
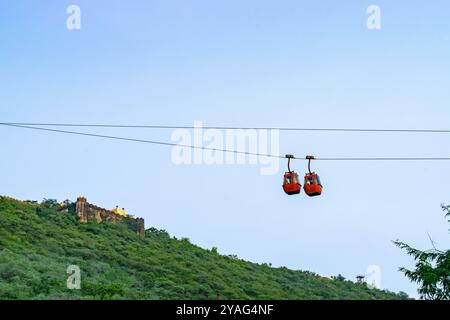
column 339, row 277
column 432, row 269
column 38, row 243
column 49, row 203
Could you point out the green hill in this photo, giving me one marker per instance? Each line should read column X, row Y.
column 38, row 243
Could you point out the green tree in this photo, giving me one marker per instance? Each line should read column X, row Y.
column 339, row 277
column 432, row 269
column 49, row 203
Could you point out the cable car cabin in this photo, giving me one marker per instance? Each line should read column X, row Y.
column 312, row 186
column 291, row 185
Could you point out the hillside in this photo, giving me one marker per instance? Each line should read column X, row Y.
column 38, row 243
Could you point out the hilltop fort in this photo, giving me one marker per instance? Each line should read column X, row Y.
column 89, row 212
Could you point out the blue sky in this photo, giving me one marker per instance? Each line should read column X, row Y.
column 238, row 63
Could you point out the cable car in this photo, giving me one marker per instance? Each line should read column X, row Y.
column 313, row 186
column 291, row 184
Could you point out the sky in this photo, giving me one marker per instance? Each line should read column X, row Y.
column 238, row 63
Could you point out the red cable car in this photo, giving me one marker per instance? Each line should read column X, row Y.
column 313, row 186
column 291, row 183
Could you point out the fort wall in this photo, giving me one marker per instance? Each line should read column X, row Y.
column 89, row 212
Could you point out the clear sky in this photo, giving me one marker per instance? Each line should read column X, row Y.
column 238, row 63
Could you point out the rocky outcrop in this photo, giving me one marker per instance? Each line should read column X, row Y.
column 89, row 212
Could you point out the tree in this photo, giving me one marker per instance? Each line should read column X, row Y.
column 49, row 203
column 339, row 277
column 67, row 203
column 432, row 269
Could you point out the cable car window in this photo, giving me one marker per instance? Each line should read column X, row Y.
column 288, row 179
column 318, row 180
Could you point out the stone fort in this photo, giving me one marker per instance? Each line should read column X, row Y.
column 89, row 212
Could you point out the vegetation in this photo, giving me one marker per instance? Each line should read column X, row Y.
column 432, row 269
column 38, row 243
